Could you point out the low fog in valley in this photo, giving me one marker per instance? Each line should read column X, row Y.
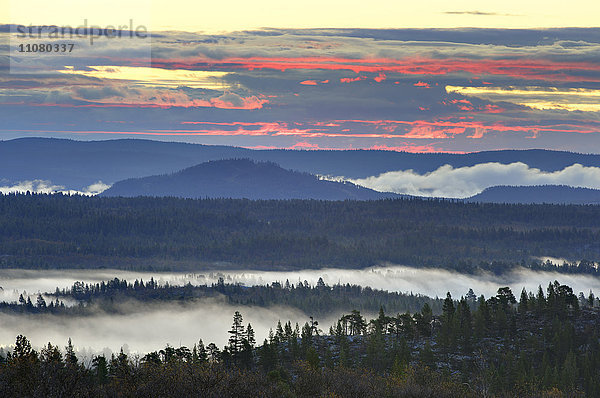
column 141, row 327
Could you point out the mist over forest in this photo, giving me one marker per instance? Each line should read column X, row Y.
column 406, row 288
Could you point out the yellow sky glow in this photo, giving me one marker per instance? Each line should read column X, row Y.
column 219, row 16
column 570, row 99
column 155, row 77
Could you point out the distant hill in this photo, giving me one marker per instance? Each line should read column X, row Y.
column 242, row 178
column 77, row 164
column 556, row 194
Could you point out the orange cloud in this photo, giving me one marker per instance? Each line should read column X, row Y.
column 565, row 71
column 352, row 79
column 412, row 148
column 439, row 129
column 314, row 82
column 304, row 145
column 380, row 77
column 489, row 108
column 452, row 128
column 422, row 84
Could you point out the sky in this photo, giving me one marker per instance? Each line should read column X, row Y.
column 433, row 77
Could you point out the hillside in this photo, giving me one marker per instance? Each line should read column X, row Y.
column 49, row 231
column 77, row 164
column 552, row 194
column 241, row 179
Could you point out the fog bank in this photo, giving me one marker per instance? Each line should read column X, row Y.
column 144, row 328
column 428, row 281
column 464, row 182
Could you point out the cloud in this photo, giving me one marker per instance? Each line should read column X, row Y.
column 155, row 77
column 34, row 186
column 464, row 182
column 45, row 186
column 542, row 98
column 480, row 13
column 96, row 188
column 296, row 77
column 414, row 65
column 354, row 79
column 392, row 277
column 141, row 328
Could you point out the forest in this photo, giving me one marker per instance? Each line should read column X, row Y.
column 57, row 231
column 315, row 300
column 536, row 344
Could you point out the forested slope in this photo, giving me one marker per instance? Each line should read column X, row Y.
column 168, row 233
column 544, row 344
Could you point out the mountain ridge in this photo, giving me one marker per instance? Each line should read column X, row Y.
column 537, row 194
column 77, row 164
column 242, row 178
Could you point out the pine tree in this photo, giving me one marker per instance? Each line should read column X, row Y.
column 201, row 351
column 236, row 335
column 523, row 302
column 464, row 324
column 214, row 354
column 23, row 351
column 447, row 319
column 279, row 335
column 448, row 307
column 250, row 337
column 40, row 302
column 423, row 322
column 540, row 300
column 100, row 368
column 70, row 357
column 50, row 354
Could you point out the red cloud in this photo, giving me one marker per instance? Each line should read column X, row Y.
column 380, row 77
column 491, row 109
column 352, row 79
column 412, row 148
column 460, row 101
column 352, row 128
column 446, row 129
column 304, row 145
column 252, row 102
column 422, row 84
column 538, row 69
column 314, row 82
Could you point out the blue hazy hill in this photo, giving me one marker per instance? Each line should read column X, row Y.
column 76, row 164
column 555, row 194
column 242, row 178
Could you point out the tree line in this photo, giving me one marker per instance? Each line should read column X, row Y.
column 60, row 231
column 543, row 343
column 318, row 300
